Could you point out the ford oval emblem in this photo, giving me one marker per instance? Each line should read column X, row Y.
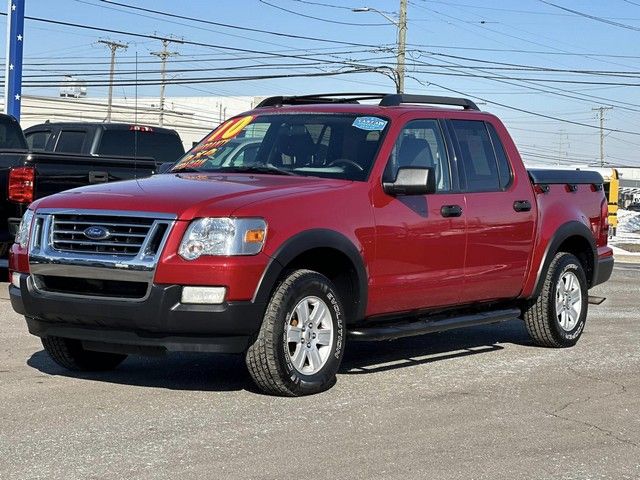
column 97, row 233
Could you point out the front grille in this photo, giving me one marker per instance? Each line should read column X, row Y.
column 126, row 235
column 92, row 287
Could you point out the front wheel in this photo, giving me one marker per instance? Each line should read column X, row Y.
column 558, row 316
column 301, row 341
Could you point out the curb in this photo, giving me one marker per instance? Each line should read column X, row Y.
column 626, row 258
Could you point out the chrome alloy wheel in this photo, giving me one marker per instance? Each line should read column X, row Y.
column 309, row 335
column 568, row 301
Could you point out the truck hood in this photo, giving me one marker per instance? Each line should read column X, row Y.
column 188, row 195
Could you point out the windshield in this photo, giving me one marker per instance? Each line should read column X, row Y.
column 341, row 146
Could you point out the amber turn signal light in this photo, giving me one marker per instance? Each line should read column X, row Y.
column 254, row 236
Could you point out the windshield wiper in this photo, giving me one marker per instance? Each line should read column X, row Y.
column 185, row 170
column 256, row 169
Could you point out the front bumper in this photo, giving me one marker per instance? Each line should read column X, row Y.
column 160, row 320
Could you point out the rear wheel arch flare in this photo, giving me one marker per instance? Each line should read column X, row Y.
column 572, row 237
column 329, row 253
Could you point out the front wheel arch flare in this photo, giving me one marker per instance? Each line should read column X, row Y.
column 304, row 242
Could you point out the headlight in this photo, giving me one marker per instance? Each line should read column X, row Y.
column 22, row 237
column 223, row 236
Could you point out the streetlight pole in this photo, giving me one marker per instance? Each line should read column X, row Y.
column 401, row 25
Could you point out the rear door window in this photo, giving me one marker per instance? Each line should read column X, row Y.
column 478, row 156
column 70, row 141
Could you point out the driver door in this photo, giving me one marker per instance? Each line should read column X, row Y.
column 420, row 239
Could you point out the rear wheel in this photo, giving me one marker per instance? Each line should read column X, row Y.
column 70, row 354
column 301, row 341
column 558, row 316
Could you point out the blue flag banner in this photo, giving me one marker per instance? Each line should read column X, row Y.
column 13, row 70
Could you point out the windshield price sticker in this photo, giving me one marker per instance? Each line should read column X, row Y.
column 370, row 123
column 219, row 137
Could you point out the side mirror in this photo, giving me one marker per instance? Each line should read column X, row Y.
column 165, row 167
column 412, row 181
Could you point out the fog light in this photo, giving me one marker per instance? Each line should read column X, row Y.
column 15, row 279
column 208, row 295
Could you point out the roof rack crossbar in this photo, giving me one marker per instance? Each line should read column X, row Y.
column 386, row 100
column 319, row 98
column 398, row 99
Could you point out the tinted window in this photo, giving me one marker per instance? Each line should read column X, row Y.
column 504, row 169
column 11, row 136
column 420, row 144
column 163, row 147
column 38, row 140
column 478, row 157
column 70, row 141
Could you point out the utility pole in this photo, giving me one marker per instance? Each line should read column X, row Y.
column 113, row 46
column 163, row 55
column 401, row 25
column 601, row 111
column 562, row 133
column 402, row 44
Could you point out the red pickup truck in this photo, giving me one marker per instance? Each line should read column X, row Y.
column 349, row 220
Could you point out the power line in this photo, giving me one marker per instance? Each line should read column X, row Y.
column 323, row 19
column 537, row 114
column 592, row 17
column 185, row 42
column 236, row 27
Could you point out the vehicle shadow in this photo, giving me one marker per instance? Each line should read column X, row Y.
column 370, row 357
column 222, row 373
column 173, row 371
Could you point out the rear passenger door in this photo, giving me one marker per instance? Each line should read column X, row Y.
column 500, row 222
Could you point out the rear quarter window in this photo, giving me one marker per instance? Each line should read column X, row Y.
column 38, row 140
column 162, row 147
column 70, row 141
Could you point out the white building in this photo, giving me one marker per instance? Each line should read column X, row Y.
column 192, row 117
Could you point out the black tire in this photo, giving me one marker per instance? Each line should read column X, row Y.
column 268, row 358
column 70, row 354
column 540, row 315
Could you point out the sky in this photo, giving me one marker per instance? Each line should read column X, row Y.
column 503, row 54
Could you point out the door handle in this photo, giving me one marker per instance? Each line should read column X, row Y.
column 522, row 205
column 451, row 210
column 98, row 177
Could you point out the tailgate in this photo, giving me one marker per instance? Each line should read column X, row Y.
column 56, row 172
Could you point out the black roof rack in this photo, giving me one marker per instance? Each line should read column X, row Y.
column 319, row 98
column 397, row 99
column 386, row 100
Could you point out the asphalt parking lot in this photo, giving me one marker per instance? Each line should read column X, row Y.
column 480, row 403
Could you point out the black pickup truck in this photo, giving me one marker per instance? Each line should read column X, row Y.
column 59, row 156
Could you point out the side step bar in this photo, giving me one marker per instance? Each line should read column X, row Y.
column 392, row 331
